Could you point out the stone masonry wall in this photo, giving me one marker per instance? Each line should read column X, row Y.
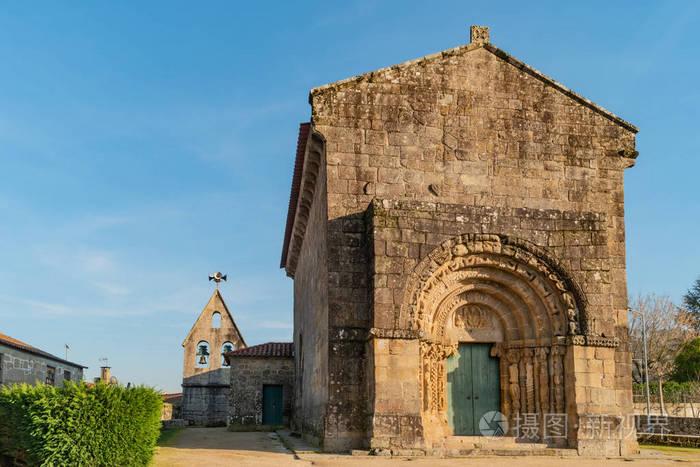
column 205, row 390
column 348, row 320
column 205, row 405
column 202, row 330
column 311, row 322
column 17, row 366
column 246, row 397
column 469, row 128
column 404, row 232
column 205, row 397
column 670, row 425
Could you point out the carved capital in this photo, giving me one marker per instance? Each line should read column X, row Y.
column 435, row 351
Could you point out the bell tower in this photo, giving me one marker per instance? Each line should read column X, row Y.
column 205, row 374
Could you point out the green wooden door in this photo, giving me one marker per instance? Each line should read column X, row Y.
column 473, row 387
column 272, row 404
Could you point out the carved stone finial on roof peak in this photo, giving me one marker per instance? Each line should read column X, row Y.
column 479, row 35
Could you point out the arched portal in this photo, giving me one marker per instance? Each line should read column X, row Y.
column 500, row 291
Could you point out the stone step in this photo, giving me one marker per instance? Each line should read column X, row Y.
column 483, row 442
column 509, row 451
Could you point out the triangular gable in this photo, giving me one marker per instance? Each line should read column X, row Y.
column 463, row 49
column 215, row 295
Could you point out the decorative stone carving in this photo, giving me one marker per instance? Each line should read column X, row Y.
column 543, row 383
column 394, row 333
column 578, row 340
column 479, row 35
column 527, row 356
column 532, row 379
column 513, row 358
column 557, row 371
column 433, row 376
column 600, row 341
column 480, row 281
column 471, row 317
column 594, row 341
column 551, row 298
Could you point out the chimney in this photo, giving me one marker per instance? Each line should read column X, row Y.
column 479, row 35
column 104, row 374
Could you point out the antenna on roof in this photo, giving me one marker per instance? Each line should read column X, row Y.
column 217, row 277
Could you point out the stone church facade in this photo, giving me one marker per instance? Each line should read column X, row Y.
column 206, row 379
column 457, row 243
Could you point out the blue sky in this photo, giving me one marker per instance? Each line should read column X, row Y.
column 144, row 145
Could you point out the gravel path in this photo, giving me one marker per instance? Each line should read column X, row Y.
column 217, row 447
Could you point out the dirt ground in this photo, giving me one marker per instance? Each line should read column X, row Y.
column 218, row 447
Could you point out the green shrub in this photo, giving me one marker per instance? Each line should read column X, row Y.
column 79, row 425
column 688, row 362
column 674, row 392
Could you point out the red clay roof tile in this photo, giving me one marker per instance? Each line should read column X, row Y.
column 270, row 349
column 294, row 194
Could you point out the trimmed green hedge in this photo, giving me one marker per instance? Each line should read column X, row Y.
column 79, row 425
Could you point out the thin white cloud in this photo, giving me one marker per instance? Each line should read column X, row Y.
column 43, row 308
column 112, row 289
column 96, row 262
column 50, row 307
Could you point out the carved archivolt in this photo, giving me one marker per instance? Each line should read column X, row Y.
column 508, row 277
column 483, row 281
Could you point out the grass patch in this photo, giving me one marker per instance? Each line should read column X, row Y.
column 660, row 447
column 168, row 437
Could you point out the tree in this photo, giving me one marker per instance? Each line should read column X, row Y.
column 668, row 327
column 691, row 301
column 688, row 362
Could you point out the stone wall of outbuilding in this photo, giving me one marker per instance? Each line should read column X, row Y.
column 248, row 376
column 18, row 366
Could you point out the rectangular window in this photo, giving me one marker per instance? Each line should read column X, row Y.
column 66, row 375
column 50, row 375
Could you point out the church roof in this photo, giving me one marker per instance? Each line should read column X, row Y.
column 269, row 349
column 19, row 345
column 214, row 295
column 294, row 194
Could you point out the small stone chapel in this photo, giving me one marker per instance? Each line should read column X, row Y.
column 206, row 379
column 456, row 239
